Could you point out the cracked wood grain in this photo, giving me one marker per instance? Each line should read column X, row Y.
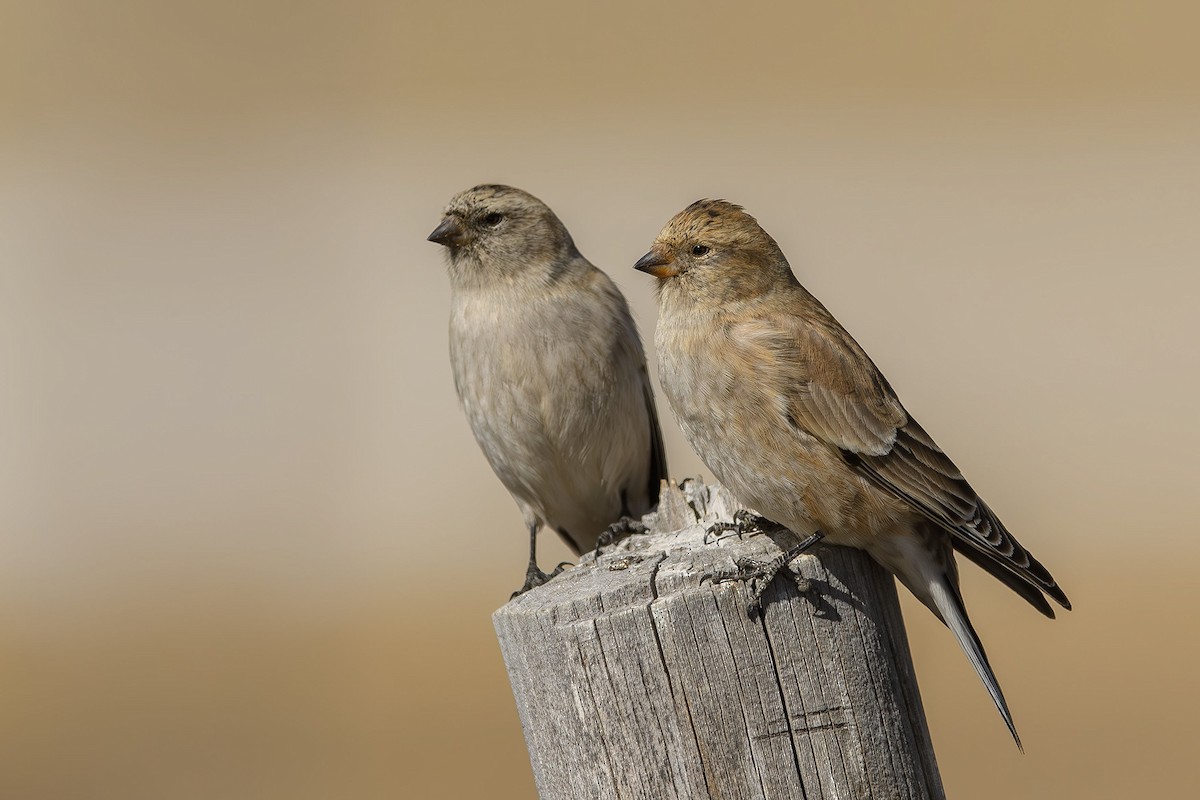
column 637, row 675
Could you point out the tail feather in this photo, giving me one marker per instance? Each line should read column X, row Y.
column 1018, row 583
column 948, row 600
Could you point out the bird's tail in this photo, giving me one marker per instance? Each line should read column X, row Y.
column 948, row 603
column 923, row 561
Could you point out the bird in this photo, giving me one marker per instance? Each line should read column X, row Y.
column 549, row 370
column 794, row 418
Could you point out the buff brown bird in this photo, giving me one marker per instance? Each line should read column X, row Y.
column 549, row 369
column 793, row 417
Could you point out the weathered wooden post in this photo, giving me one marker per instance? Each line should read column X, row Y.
column 637, row 676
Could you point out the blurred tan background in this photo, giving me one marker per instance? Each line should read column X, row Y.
column 248, row 547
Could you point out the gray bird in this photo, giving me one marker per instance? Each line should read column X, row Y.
column 549, row 370
column 792, row 416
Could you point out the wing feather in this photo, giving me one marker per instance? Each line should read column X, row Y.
column 658, row 453
column 842, row 398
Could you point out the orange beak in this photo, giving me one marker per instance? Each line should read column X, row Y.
column 658, row 265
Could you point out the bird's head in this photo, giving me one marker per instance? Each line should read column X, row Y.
column 499, row 230
column 715, row 250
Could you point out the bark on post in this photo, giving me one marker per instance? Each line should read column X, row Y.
column 637, row 676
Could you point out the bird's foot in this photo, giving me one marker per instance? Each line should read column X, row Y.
column 623, row 527
column 757, row 575
column 534, row 577
column 744, row 524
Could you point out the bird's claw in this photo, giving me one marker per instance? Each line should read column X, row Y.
column 744, row 524
column 757, row 575
column 721, row 530
column 534, row 577
column 618, row 530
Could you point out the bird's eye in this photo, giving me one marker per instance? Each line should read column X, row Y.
column 493, row 219
column 700, row 250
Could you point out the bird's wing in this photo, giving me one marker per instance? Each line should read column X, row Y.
column 658, row 453
column 841, row 397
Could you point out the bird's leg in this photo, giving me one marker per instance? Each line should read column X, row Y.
column 533, row 575
column 759, row 574
column 625, row 526
column 744, row 524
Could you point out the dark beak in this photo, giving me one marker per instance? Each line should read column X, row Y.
column 658, row 265
column 450, row 233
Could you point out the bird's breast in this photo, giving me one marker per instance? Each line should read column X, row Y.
column 737, row 421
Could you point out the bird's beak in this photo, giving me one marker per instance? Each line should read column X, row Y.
column 450, row 233
column 658, row 265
